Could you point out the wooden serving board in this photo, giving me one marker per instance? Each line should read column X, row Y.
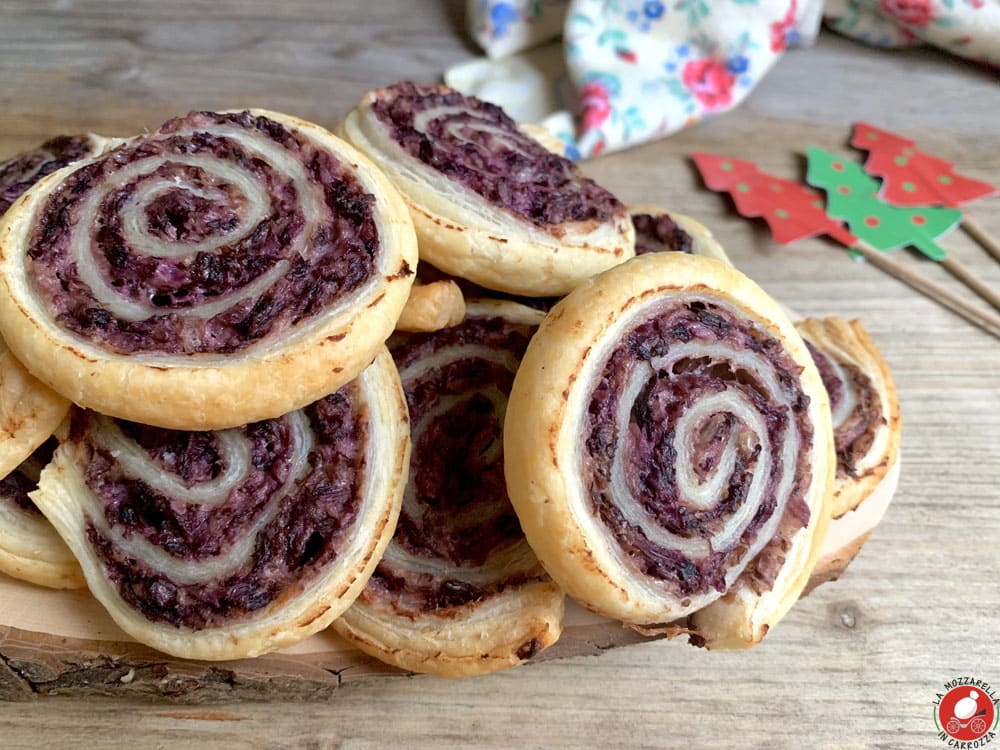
column 64, row 643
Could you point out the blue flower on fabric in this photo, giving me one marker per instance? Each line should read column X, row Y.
column 653, row 10
column 683, row 50
column 738, row 64
column 501, row 16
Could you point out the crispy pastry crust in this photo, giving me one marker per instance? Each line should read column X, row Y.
column 703, row 241
column 431, row 307
column 546, row 416
column 202, row 392
column 464, row 235
column 29, row 412
column 305, row 612
column 473, row 639
column 849, row 342
column 32, row 551
column 497, row 632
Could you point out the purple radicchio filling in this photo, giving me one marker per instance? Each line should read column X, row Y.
column 14, row 487
column 311, row 525
column 180, row 204
column 651, row 455
column 456, row 471
column 657, row 234
column 853, row 436
column 482, row 148
column 17, row 175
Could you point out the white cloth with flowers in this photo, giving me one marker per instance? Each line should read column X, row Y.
column 628, row 71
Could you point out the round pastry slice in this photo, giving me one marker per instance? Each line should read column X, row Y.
column 224, row 269
column 30, row 549
column 658, row 230
column 459, row 591
column 863, row 405
column 230, row 544
column 866, row 431
column 489, row 203
column 669, row 449
column 24, row 170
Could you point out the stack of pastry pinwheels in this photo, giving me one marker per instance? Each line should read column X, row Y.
column 238, row 410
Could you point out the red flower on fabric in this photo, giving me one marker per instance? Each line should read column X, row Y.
column 596, row 105
column 909, row 12
column 710, row 81
column 782, row 31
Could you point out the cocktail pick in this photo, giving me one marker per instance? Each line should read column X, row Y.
column 794, row 211
column 853, row 197
column 911, row 177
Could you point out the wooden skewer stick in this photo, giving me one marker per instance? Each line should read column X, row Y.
column 961, row 272
column 985, row 319
column 975, row 230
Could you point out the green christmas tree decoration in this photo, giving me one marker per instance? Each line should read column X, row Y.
column 853, row 197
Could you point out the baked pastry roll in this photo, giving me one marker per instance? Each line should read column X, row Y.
column 29, row 412
column 658, row 230
column 432, row 306
column 489, row 203
column 24, row 170
column 30, row 549
column 224, row 269
column 669, row 449
column 230, row 544
column 866, row 430
column 459, row 591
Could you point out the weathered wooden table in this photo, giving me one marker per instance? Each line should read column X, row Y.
column 857, row 664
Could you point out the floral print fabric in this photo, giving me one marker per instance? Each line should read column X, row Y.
column 641, row 69
column 967, row 28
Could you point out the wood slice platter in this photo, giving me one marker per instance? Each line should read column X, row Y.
column 64, row 643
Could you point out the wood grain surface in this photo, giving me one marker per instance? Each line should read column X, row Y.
column 858, row 662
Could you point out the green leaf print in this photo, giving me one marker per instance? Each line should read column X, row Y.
column 695, row 9
column 611, row 36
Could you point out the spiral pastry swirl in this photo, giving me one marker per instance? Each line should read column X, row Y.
column 30, row 549
column 184, row 278
column 863, row 405
column 669, row 449
column 489, row 203
column 658, row 230
column 227, row 544
column 459, row 590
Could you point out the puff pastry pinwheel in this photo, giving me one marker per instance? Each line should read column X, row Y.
column 223, row 269
column 489, row 203
column 459, row 591
column 866, row 430
column 669, row 451
column 30, row 549
column 24, row 170
column 659, row 230
column 230, row 544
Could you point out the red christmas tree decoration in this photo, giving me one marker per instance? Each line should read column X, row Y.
column 911, row 177
column 792, row 211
